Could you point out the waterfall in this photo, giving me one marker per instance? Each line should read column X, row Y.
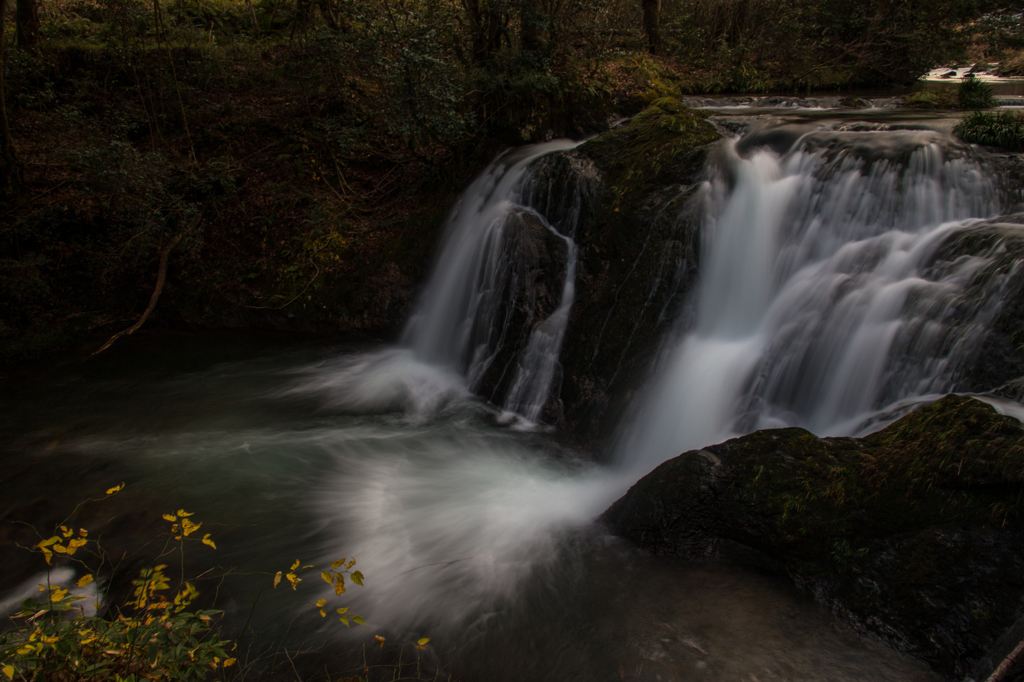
column 466, row 317
column 817, row 304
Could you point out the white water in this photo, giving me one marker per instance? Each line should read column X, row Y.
column 461, row 322
column 539, row 360
column 812, row 278
column 813, row 284
column 814, row 306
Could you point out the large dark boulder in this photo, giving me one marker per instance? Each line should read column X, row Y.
column 915, row 533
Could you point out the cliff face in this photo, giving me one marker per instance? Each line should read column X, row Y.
column 915, row 533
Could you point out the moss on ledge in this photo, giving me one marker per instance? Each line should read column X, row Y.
column 649, row 149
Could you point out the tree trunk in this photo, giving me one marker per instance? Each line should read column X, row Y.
column 9, row 172
column 529, row 26
column 27, row 23
column 652, row 24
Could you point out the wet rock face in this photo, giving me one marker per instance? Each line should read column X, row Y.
column 992, row 303
column 915, row 533
column 532, row 292
column 638, row 251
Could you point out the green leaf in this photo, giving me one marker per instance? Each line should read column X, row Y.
column 357, row 578
column 358, row 620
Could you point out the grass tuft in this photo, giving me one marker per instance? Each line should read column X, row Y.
column 1004, row 130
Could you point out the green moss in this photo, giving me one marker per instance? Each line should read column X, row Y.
column 654, row 143
column 947, row 98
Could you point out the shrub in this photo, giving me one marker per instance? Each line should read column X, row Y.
column 974, row 94
column 153, row 636
column 1004, row 130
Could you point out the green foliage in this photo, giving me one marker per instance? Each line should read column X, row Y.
column 154, row 635
column 975, row 94
column 999, row 129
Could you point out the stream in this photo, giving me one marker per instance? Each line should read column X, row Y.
column 470, row 519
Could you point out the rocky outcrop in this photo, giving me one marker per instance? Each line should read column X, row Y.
column 637, row 258
column 914, row 533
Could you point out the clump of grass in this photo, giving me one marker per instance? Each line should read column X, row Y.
column 1004, row 130
column 975, row 94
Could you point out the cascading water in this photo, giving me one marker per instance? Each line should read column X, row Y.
column 819, row 302
column 816, row 306
column 464, row 318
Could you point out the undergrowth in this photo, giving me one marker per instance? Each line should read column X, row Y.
column 73, row 631
column 996, row 129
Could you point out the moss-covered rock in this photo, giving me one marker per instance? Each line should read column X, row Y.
column 638, row 257
column 915, row 533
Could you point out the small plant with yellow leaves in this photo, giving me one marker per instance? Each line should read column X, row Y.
column 154, row 636
column 335, row 577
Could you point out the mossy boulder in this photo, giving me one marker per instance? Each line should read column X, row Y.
column 637, row 258
column 915, row 533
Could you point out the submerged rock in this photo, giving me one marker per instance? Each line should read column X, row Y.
column 914, row 533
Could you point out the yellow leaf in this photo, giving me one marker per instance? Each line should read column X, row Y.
column 75, row 544
column 47, row 554
column 83, row 532
column 323, row 614
column 188, row 527
column 67, row 532
column 350, row 564
column 48, row 542
column 277, row 579
column 422, row 644
column 208, row 541
column 339, row 586
column 294, row 580
column 84, row 580
column 170, row 517
column 9, row 671
column 295, row 565
column 183, row 513
column 59, row 548
column 111, row 491
column 228, row 662
column 380, row 640
column 338, row 564
column 343, row 610
column 320, row 603
column 344, row 620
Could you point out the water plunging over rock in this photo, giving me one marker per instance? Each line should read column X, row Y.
column 496, row 307
column 823, row 296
